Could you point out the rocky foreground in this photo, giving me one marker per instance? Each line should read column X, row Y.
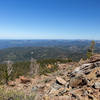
column 73, row 81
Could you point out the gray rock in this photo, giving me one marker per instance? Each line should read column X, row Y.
column 35, row 88
column 56, row 86
column 97, row 85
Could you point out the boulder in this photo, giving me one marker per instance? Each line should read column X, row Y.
column 60, row 81
column 77, row 81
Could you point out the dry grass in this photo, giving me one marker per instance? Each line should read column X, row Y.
column 15, row 95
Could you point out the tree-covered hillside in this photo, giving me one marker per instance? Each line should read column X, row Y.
column 73, row 49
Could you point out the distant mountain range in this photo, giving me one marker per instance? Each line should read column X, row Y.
column 21, row 50
column 40, row 43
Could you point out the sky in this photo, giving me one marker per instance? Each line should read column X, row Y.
column 50, row 19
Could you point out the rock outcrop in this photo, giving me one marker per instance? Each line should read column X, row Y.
column 82, row 83
column 95, row 58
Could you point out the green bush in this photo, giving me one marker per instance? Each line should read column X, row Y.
column 19, row 69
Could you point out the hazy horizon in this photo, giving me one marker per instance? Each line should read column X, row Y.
column 55, row 39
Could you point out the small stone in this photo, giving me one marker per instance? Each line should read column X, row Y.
column 11, row 83
column 24, row 80
column 60, row 81
column 53, row 91
column 34, row 88
column 98, row 74
column 46, row 98
column 56, row 86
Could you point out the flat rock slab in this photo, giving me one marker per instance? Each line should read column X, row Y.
column 60, row 81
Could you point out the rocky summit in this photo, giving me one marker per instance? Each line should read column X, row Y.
column 73, row 81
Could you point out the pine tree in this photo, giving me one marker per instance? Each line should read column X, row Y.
column 90, row 51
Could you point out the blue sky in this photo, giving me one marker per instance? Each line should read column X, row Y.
column 49, row 19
